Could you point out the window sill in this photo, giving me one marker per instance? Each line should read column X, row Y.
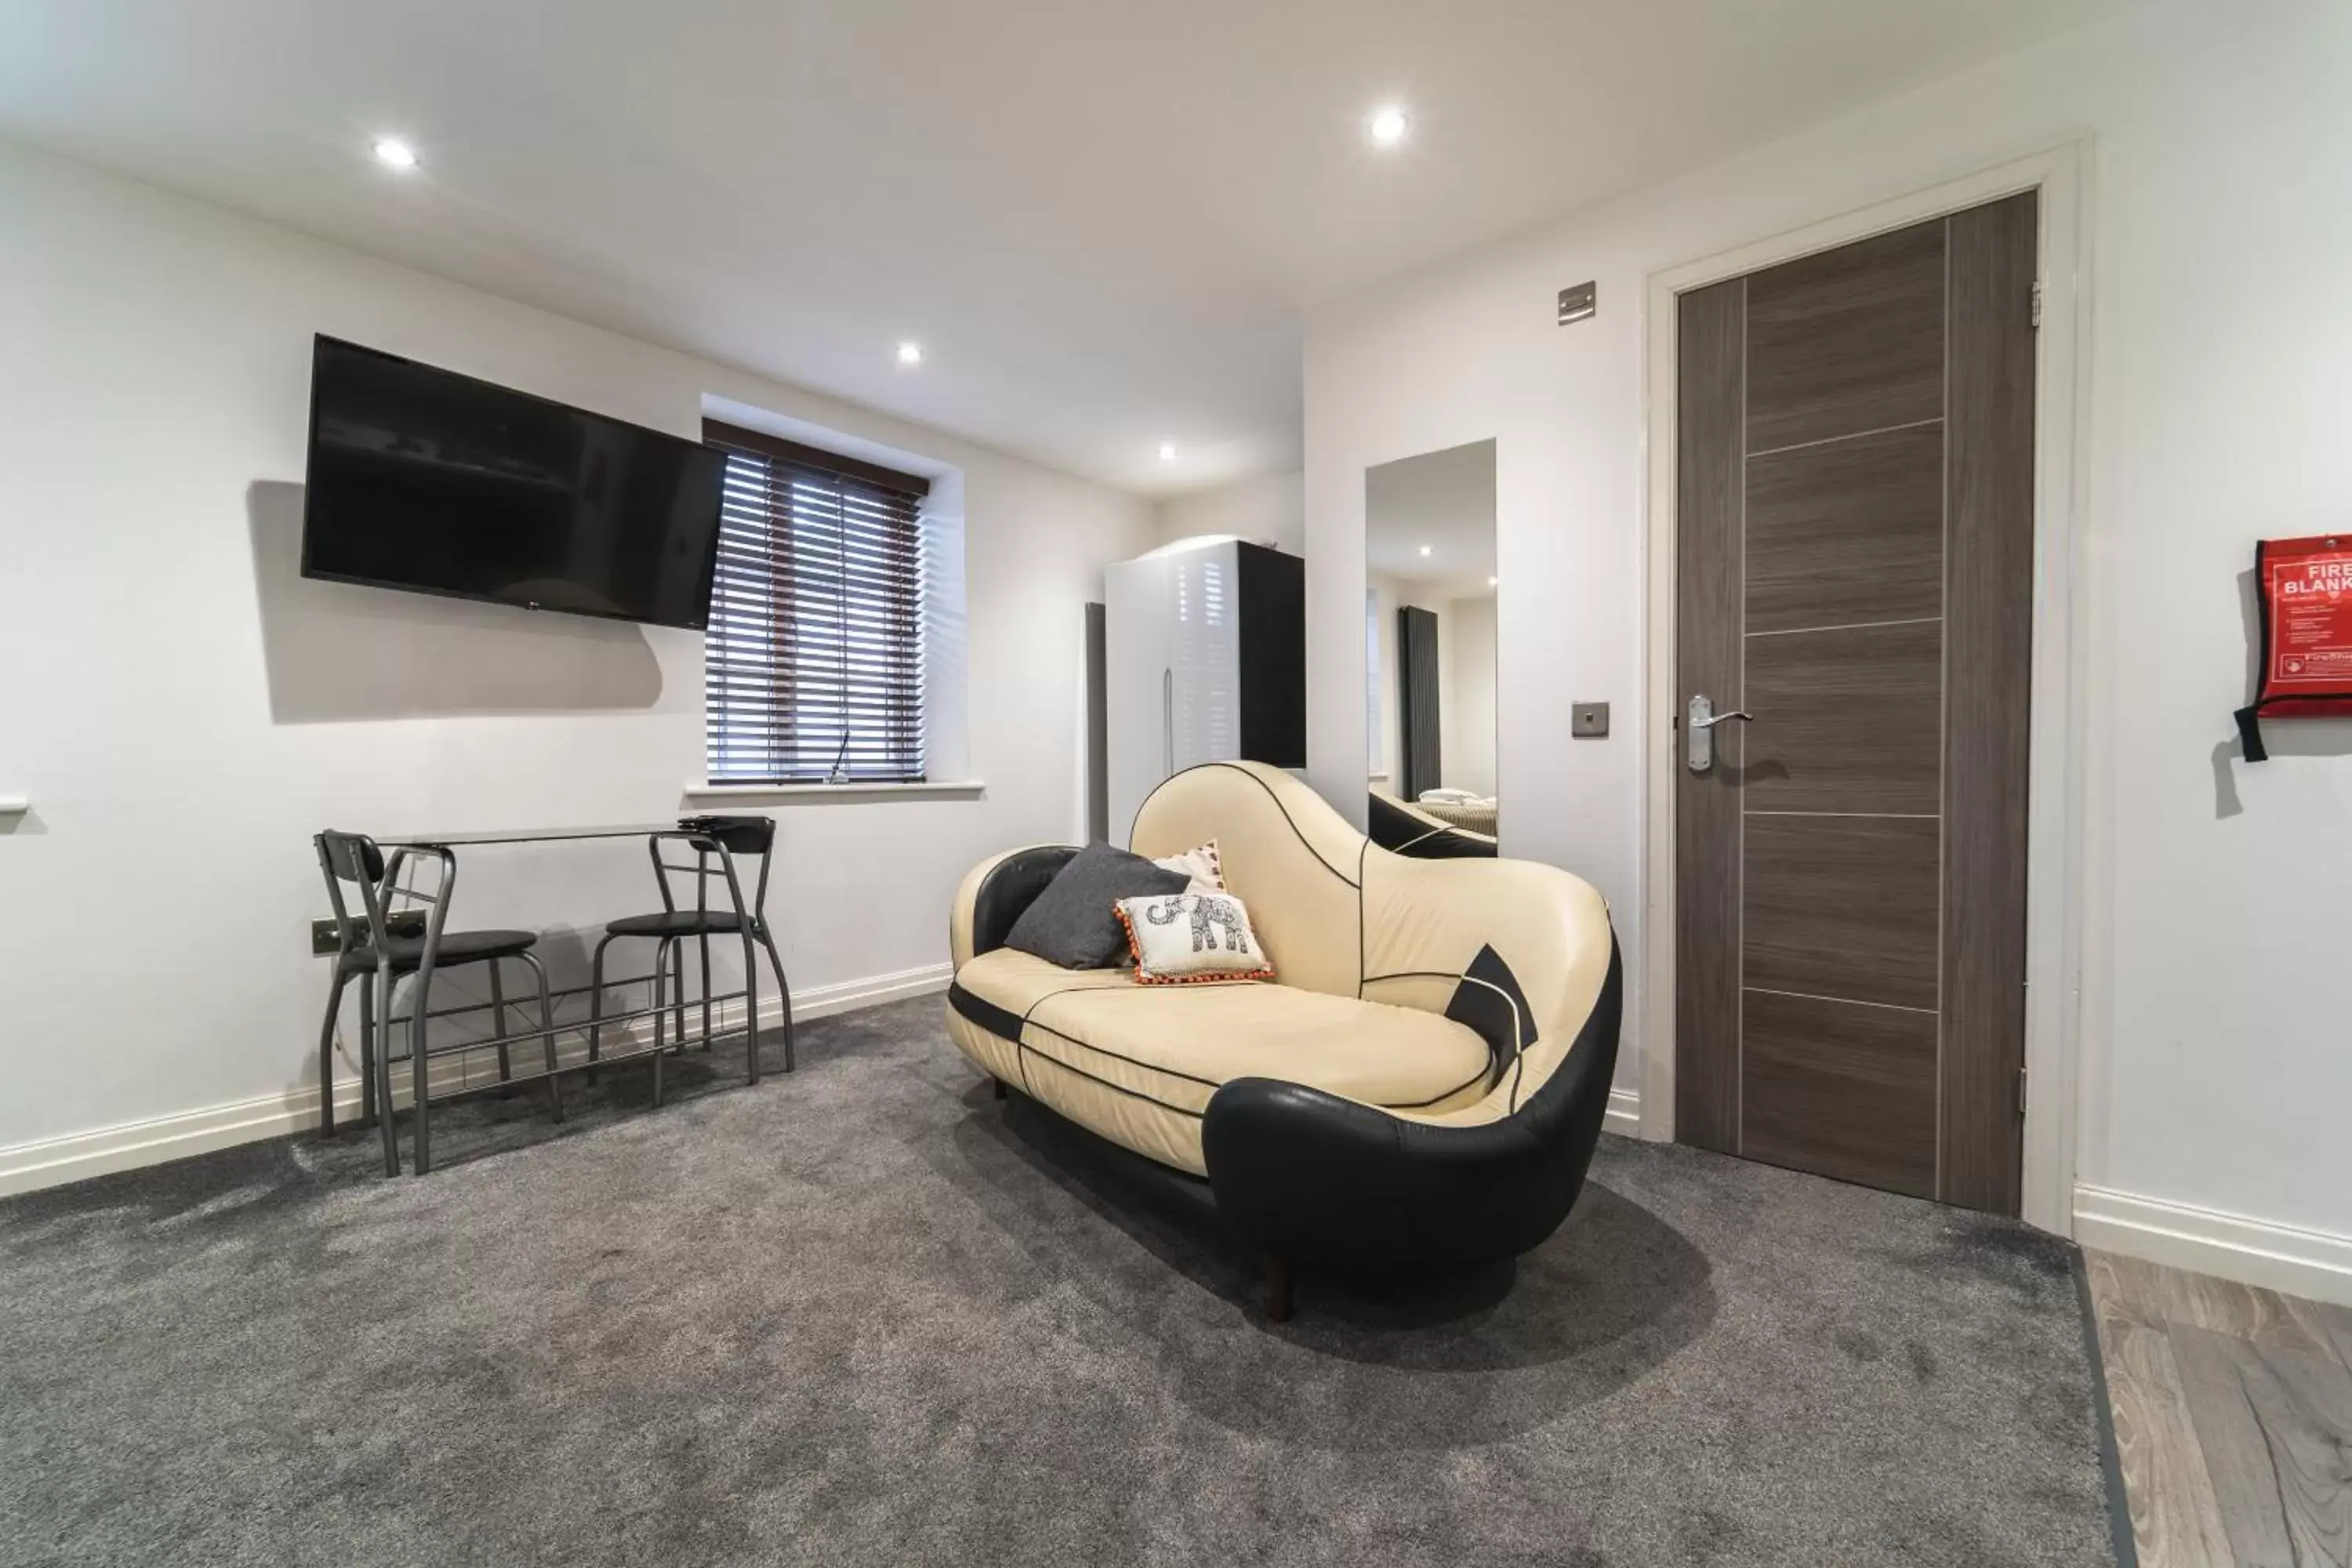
column 708, row 792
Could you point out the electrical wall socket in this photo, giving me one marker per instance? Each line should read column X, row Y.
column 1586, row 718
column 406, row 923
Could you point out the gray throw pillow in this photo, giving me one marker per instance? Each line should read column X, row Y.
column 1075, row 922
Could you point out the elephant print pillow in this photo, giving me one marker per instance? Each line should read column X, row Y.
column 1183, row 937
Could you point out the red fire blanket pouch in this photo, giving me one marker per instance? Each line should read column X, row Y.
column 2304, row 589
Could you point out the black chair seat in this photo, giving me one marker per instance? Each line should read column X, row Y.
column 458, row 947
column 678, row 923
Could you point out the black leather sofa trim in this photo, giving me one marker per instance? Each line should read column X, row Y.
column 1011, row 887
column 1306, row 1175
column 1400, row 832
column 1002, row 1022
column 1007, row 1025
column 1487, row 1002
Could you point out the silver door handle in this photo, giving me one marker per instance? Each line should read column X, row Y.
column 1698, row 732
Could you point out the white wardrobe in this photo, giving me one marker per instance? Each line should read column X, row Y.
column 1204, row 659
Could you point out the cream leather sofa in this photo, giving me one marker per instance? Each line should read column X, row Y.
column 1423, row 1083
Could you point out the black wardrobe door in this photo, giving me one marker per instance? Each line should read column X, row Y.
column 1272, row 628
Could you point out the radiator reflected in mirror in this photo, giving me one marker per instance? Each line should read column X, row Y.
column 1430, row 588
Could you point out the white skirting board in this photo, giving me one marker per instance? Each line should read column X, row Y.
column 55, row 1160
column 2313, row 1264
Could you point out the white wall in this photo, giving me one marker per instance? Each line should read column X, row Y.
column 1267, row 509
column 185, row 712
column 1469, row 700
column 1387, row 745
column 2217, row 1073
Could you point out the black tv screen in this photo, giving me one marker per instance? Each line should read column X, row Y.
column 428, row 480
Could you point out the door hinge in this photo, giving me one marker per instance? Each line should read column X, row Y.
column 2020, row 1091
column 2034, row 298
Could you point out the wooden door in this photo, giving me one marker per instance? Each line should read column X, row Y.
column 1854, row 513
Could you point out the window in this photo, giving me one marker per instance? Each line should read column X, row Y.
column 813, row 657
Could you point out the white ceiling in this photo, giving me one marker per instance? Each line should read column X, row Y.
column 1442, row 501
column 1102, row 218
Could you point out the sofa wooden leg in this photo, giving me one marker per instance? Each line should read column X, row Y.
column 1277, row 1289
column 1000, row 1090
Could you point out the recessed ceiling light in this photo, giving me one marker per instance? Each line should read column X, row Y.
column 910, row 353
column 1167, row 451
column 1387, row 126
column 1424, row 549
column 395, row 153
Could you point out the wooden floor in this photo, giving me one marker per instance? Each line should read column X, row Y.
column 2234, row 1417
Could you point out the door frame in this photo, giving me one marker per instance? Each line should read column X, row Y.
column 2053, row 914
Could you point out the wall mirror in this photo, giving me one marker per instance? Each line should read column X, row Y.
column 1430, row 595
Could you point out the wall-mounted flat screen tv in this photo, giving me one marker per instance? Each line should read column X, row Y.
column 438, row 483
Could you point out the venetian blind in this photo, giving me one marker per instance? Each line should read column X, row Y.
column 814, row 652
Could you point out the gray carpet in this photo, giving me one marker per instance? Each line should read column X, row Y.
column 866, row 1314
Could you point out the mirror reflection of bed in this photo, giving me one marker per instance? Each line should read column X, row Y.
column 1430, row 595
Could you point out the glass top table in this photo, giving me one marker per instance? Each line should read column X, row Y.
column 746, row 924
column 524, row 834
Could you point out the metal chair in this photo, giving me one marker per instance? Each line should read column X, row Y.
column 722, row 838
column 366, row 949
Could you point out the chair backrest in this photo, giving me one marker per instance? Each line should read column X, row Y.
column 352, row 857
column 728, row 837
column 739, row 834
column 356, row 858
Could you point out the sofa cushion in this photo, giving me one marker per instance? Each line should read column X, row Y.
column 1074, row 922
column 1193, row 939
column 1200, row 863
column 1137, row 1063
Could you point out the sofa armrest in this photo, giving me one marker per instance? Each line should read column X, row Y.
column 1425, row 921
column 1302, row 1175
column 993, row 894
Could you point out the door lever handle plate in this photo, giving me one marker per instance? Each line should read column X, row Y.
column 1698, row 731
